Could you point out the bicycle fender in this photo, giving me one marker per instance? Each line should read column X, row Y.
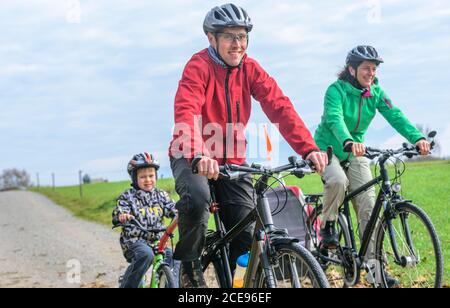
column 284, row 240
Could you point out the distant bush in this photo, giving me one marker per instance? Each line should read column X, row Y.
column 14, row 179
column 86, row 179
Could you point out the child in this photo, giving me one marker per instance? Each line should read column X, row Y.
column 147, row 204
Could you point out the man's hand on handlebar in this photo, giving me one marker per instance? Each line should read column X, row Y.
column 208, row 167
column 319, row 159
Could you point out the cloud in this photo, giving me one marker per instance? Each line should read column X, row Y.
column 444, row 141
column 105, row 37
column 393, row 142
column 20, row 69
column 106, row 84
column 106, row 165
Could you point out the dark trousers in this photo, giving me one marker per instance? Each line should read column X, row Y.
column 235, row 200
column 140, row 255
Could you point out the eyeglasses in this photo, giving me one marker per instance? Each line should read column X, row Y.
column 230, row 37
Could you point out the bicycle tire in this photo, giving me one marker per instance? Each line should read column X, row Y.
column 166, row 279
column 345, row 276
column 307, row 266
column 421, row 227
column 215, row 279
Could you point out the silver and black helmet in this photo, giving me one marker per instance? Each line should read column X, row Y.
column 226, row 16
column 363, row 53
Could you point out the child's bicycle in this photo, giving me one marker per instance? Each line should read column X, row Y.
column 164, row 270
column 407, row 248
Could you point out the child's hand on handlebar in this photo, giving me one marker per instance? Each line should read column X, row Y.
column 125, row 217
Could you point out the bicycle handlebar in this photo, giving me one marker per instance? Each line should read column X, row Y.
column 137, row 224
column 234, row 172
column 408, row 150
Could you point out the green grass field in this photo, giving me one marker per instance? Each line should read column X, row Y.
column 426, row 183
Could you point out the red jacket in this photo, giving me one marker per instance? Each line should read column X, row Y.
column 220, row 95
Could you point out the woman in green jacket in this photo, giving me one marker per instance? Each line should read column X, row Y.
column 350, row 105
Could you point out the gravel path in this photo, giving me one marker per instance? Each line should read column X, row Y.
column 43, row 245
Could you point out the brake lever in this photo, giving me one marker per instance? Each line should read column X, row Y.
column 348, row 147
column 329, row 154
column 194, row 164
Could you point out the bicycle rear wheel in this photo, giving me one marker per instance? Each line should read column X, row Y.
column 294, row 267
column 213, row 264
column 420, row 262
column 340, row 268
column 214, row 273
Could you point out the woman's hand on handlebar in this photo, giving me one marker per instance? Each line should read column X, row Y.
column 358, row 149
column 208, row 167
column 319, row 159
column 423, row 147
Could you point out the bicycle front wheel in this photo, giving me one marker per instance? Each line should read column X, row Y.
column 293, row 267
column 418, row 261
column 165, row 278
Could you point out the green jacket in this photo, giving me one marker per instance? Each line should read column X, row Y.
column 348, row 113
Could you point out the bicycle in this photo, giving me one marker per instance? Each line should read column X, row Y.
column 160, row 273
column 407, row 247
column 276, row 259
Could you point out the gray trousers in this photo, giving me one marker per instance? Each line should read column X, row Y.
column 337, row 182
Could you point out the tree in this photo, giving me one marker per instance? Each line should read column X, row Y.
column 14, row 179
column 86, row 179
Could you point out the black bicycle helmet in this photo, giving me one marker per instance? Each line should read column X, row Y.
column 363, row 53
column 226, row 16
column 139, row 161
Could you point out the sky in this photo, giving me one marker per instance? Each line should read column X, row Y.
column 84, row 85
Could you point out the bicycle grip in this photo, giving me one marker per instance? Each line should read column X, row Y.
column 194, row 164
column 348, row 147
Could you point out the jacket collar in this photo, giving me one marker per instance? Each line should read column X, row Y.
column 218, row 60
column 350, row 89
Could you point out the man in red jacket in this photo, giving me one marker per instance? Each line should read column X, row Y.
column 212, row 109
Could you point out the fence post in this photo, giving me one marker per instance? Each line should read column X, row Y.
column 81, row 184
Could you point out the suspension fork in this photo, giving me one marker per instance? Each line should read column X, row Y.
column 407, row 232
column 264, row 247
column 401, row 260
column 259, row 256
column 388, row 215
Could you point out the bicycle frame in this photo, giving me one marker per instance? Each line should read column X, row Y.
column 382, row 203
column 260, row 248
column 158, row 260
column 160, row 249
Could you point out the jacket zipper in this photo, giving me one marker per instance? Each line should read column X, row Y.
column 229, row 116
column 358, row 122
column 359, row 114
